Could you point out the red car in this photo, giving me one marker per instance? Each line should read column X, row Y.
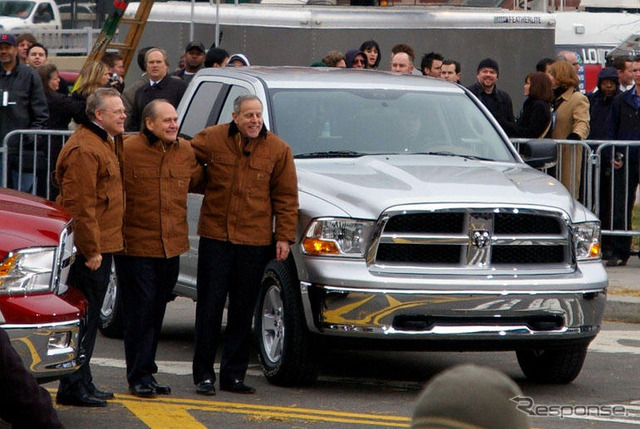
column 39, row 311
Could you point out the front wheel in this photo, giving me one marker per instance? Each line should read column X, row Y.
column 111, row 324
column 557, row 366
column 284, row 346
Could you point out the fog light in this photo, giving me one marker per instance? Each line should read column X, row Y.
column 59, row 342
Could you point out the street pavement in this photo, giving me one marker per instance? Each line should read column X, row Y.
column 623, row 300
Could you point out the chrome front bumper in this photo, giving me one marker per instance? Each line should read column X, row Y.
column 566, row 307
column 49, row 351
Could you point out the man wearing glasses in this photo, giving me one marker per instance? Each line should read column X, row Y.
column 88, row 171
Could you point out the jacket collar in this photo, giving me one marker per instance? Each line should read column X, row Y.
column 13, row 70
column 233, row 130
column 95, row 129
column 160, row 83
column 153, row 139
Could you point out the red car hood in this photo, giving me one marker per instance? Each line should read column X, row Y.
column 26, row 221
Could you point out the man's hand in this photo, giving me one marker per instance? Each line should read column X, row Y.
column 94, row 262
column 282, row 250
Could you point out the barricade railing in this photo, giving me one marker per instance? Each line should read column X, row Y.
column 69, row 42
column 28, row 159
column 574, row 168
column 616, row 188
column 594, row 192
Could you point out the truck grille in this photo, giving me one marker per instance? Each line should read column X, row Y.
column 495, row 239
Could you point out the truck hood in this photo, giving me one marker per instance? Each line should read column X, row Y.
column 9, row 23
column 27, row 221
column 365, row 186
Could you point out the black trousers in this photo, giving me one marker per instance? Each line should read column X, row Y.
column 146, row 285
column 225, row 269
column 23, row 403
column 93, row 284
column 619, row 246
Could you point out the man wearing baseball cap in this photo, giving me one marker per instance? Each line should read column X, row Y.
column 193, row 59
column 496, row 100
column 22, row 106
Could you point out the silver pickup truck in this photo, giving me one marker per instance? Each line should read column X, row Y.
column 420, row 227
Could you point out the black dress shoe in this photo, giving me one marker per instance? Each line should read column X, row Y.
column 206, row 387
column 100, row 394
column 237, row 386
column 80, row 400
column 616, row 262
column 143, row 390
column 161, row 389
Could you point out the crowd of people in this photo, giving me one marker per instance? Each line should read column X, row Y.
column 111, row 188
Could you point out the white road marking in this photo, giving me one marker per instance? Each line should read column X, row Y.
column 164, row 366
column 627, row 342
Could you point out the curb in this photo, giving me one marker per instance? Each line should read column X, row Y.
column 620, row 308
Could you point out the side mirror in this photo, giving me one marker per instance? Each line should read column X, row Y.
column 539, row 153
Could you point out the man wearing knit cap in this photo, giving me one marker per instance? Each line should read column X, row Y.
column 470, row 396
column 496, row 100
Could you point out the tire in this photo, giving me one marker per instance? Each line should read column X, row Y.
column 556, row 366
column 284, row 344
column 111, row 324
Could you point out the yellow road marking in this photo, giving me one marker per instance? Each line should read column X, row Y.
column 174, row 413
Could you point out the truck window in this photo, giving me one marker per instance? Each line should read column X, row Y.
column 20, row 9
column 373, row 121
column 201, row 111
column 43, row 14
column 227, row 108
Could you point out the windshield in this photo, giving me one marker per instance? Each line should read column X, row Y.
column 16, row 9
column 321, row 122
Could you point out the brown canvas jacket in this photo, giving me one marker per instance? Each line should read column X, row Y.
column 246, row 187
column 88, row 172
column 157, row 180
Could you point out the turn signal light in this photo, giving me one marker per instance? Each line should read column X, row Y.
column 314, row 246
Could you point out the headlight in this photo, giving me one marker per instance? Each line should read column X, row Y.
column 337, row 237
column 586, row 239
column 27, row 270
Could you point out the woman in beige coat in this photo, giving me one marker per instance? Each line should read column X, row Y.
column 571, row 122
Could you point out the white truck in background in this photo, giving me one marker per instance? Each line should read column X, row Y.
column 17, row 16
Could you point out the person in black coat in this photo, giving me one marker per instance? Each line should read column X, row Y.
column 62, row 109
column 496, row 100
column 160, row 85
column 620, row 173
column 534, row 120
column 614, row 249
column 600, row 103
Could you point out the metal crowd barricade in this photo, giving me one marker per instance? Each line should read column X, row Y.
column 27, row 156
column 589, row 186
column 629, row 188
column 576, row 163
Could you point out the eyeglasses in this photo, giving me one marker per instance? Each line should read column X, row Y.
column 118, row 112
column 358, row 62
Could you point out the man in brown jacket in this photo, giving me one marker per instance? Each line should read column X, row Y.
column 91, row 190
column 251, row 179
column 159, row 171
